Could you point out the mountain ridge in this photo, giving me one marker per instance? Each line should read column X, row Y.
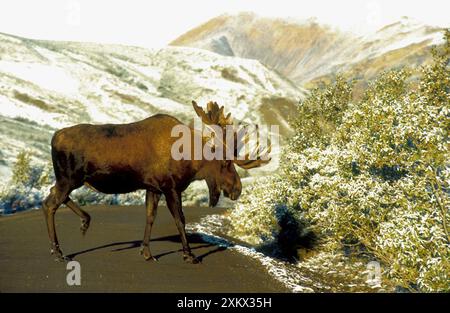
column 305, row 50
column 47, row 85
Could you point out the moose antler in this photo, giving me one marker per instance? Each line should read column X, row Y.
column 213, row 115
column 249, row 160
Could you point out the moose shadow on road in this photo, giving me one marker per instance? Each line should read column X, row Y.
column 133, row 244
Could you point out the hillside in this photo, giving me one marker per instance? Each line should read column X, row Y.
column 46, row 85
column 305, row 51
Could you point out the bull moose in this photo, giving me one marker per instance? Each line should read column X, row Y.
column 122, row 158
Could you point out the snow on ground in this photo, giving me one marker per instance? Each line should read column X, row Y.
column 47, row 76
column 323, row 272
column 16, row 109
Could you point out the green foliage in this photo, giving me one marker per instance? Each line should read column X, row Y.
column 370, row 177
column 141, row 86
column 47, row 175
column 436, row 81
column 29, row 175
column 22, row 169
column 320, row 114
column 118, row 72
column 253, row 219
column 27, row 187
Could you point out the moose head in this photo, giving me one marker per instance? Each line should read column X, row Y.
column 221, row 174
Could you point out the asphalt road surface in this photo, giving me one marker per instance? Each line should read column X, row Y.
column 109, row 255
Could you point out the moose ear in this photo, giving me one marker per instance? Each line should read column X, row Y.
column 214, row 193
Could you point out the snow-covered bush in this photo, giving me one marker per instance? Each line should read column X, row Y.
column 253, row 219
column 27, row 187
column 370, row 177
column 87, row 196
column 196, row 194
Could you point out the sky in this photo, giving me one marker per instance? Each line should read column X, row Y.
column 152, row 24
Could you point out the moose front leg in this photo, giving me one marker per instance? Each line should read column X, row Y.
column 151, row 204
column 173, row 199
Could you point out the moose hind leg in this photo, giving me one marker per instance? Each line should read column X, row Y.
column 174, row 203
column 85, row 217
column 50, row 205
column 151, row 204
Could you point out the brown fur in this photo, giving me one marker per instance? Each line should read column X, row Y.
column 121, row 158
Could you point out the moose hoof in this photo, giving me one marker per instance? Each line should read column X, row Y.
column 59, row 257
column 190, row 258
column 62, row 258
column 145, row 251
column 57, row 253
column 150, row 258
column 84, row 225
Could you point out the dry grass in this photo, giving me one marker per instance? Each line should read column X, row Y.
column 200, row 31
column 130, row 99
column 33, row 101
column 231, row 75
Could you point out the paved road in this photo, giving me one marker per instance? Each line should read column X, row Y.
column 110, row 260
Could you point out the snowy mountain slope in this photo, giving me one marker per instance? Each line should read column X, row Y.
column 47, row 85
column 306, row 50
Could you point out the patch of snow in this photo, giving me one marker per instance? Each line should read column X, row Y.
column 46, row 76
column 434, row 38
column 277, row 269
column 15, row 109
